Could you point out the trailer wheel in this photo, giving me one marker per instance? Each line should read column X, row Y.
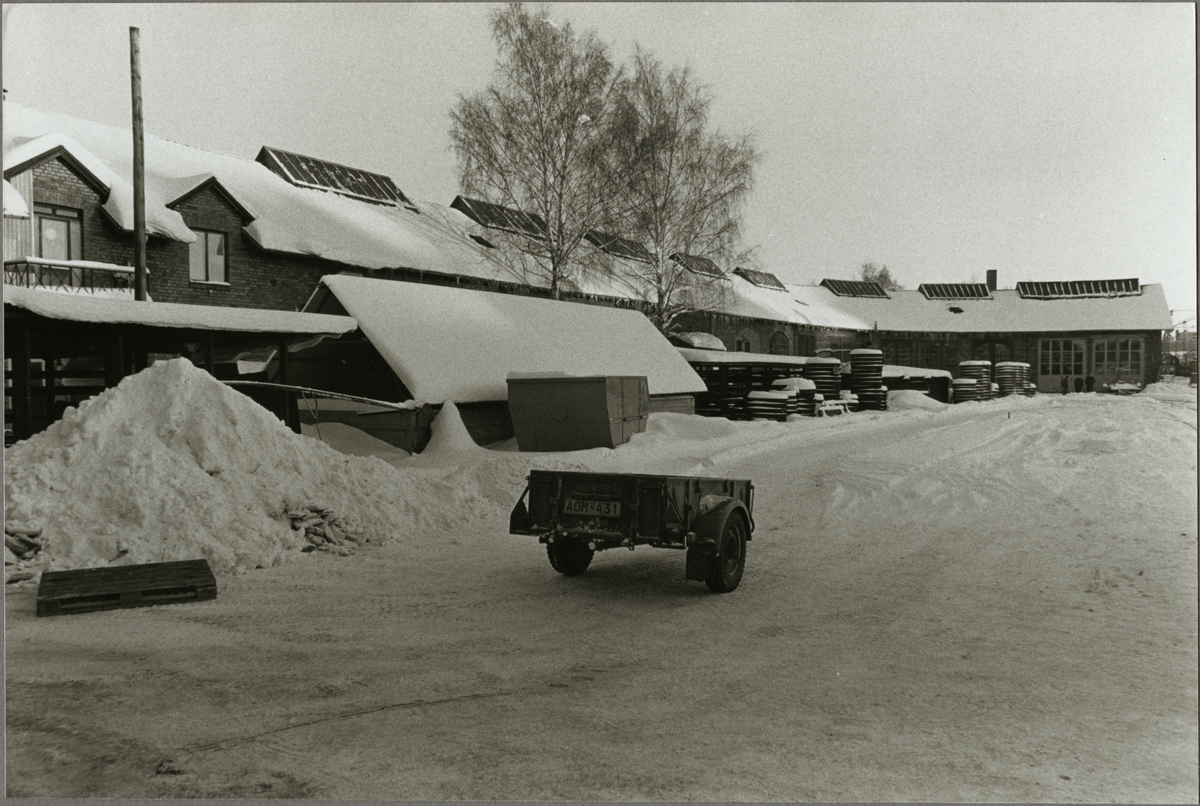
column 569, row 557
column 727, row 565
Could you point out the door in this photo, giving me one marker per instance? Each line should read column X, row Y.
column 1058, row 359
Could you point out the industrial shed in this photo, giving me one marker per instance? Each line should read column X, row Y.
column 1109, row 329
column 436, row 344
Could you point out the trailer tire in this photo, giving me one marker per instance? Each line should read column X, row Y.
column 569, row 557
column 727, row 565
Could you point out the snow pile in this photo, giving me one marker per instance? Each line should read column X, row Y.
column 904, row 399
column 172, row 464
column 1180, row 392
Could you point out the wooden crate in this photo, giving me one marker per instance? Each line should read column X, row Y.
column 90, row 589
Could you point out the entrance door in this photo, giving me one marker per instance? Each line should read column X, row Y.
column 1058, row 359
column 1117, row 360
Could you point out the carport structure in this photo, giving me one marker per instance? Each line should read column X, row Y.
column 63, row 348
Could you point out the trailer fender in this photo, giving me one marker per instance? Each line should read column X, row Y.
column 704, row 540
column 519, row 521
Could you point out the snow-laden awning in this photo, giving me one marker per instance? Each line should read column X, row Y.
column 460, row 345
column 107, row 310
column 14, row 203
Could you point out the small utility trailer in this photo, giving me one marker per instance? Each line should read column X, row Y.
column 577, row 514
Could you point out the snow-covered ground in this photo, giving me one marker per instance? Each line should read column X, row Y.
column 992, row 601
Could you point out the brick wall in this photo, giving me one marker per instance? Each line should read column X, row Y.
column 256, row 278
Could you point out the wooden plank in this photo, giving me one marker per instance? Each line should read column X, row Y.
column 90, row 589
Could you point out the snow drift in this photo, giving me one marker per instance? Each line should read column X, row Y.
column 172, row 464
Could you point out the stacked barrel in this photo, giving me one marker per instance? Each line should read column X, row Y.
column 866, row 379
column 1012, row 377
column 966, row 389
column 771, row 405
column 792, row 387
column 981, row 373
column 826, row 373
column 806, row 398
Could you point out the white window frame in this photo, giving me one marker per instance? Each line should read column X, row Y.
column 201, row 252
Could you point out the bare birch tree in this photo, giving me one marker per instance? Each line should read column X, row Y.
column 683, row 186
column 537, row 138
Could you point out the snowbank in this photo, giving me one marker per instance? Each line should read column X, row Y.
column 172, row 464
column 903, row 399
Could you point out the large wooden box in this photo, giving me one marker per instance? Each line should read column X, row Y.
column 561, row 413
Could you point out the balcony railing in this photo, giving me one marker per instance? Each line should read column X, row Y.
column 70, row 276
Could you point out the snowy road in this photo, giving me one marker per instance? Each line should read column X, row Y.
column 994, row 602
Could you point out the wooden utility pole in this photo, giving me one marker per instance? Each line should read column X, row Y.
column 139, row 172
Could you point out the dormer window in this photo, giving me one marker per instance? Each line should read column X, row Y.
column 206, row 257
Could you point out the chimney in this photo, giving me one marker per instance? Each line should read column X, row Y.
column 991, row 279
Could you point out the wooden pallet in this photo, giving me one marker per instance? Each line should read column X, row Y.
column 89, row 589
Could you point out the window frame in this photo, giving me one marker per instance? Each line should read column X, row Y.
column 203, row 237
column 72, row 216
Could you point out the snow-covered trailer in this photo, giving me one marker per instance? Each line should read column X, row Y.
column 577, row 514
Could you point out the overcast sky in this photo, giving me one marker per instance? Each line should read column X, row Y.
column 1047, row 141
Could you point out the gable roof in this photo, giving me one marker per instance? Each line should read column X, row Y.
column 467, row 357
column 286, row 218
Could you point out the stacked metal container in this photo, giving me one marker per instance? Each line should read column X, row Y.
column 806, row 397
column 1012, row 377
column 866, row 378
column 792, row 387
column 981, row 371
column 767, row 405
column 966, row 389
column 826, row 373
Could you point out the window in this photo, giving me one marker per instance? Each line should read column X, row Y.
column 746, row 342
column 58, row 231
column 207, row 257
column 779, row 344
column 1118, row 358
column 1060, row 357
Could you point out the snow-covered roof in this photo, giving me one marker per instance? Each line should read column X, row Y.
column 108, row 310
column 20, row 152
column 286, row 218
column 911, row 311
column 695, row 356
column 460, row 345
column 1007, row 311
column 14, row 203
column 430, row 237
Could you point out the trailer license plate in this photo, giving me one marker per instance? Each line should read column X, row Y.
column 600, row 509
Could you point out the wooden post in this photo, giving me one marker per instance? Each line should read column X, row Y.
column 22, row 410
column 291, row 415
column 210, row 362
column 114, row 359
column 139, row 172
